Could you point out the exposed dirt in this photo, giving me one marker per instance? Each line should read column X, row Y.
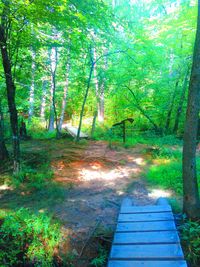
column 98, row 178
column 102, row 177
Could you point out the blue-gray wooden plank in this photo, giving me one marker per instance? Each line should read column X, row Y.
column 141, row 217
column 145, row 209
column 146, row 226
column 147, row 263
column 146, row 237
column 148, row 252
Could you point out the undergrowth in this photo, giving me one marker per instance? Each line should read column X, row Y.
column 28, row 239
column 190, row 237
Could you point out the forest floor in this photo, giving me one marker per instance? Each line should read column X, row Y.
column 89, row 182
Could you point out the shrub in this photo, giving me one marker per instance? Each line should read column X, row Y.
column 32, row 178
column 27, row 238
column 190, row 236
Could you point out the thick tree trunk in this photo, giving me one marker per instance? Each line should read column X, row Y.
column 10, row 87
column 43, row 101
column 32, row 87
column 65, row 92
column 180, row 104
column 169, row 113
column 3, row 150
column 191, row 201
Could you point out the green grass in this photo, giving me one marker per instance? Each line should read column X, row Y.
column 166, row 169
column 134, row 137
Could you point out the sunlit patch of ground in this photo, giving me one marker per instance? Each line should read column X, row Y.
column 157, row 193
column 99, row 178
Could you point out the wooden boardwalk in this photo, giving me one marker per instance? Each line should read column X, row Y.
column 73, row 131
column 146, row 236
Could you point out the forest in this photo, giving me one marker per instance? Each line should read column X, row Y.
column 99, row 100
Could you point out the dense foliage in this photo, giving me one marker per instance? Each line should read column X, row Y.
column 28, row 239
column 92, row 64
column 142, row 53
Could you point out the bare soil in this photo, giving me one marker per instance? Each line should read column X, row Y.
column 94, row 179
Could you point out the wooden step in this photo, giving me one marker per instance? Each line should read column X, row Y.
column 140, row 217
column 148, row 252
column 146, row 236
column 146, row 226
column 145, row 209
column 178, row 263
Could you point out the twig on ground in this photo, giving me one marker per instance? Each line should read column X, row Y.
column 89, row 237
column 113, row 202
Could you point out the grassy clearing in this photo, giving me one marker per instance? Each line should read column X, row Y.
column 166, row 169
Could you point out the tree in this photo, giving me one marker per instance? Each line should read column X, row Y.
column 3, row 149
column 191, row 200
column 10, row 86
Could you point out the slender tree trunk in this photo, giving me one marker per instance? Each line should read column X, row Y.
column 10, row 88
column 102, row 92
column 53, row 113
column 138, row 106
column 64, row 101
column 32, row 87
column 99, row 86
column 180, row 104
column 93, row 124
column 171, row 108
column 191, row 201
column 93, row 63
column 43, row 102
column 101, row 102
column 84, row 100
column 3, row 150
column 97, row 89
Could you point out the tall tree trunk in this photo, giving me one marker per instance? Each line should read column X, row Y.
column 43, row 101
column 10, row 88
column 99, row 87
column 101, row 102
column 138, row 106
column 53, row 113
column 93, row 124
column 32, row 87
column 84, row 100
column 3, row 149
column 65, row 92
column 180, row 104
column 169, row 113
column 102, row 91
column 191, row 200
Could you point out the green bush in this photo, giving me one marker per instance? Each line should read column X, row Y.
column 190, row 236
column 27, row 238
column 37, row 129
column 32, row 178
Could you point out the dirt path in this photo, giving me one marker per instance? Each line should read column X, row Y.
column 103, row 178
column 94, row 179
